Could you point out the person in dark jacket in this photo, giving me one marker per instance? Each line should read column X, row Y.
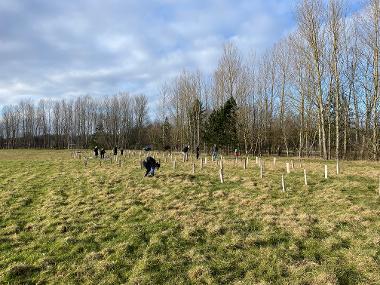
column 150, row 165
column 121, row 151
column 115, row 150
column 197, row 150
column 102, row 153
column 185, row 152
column 96, row 151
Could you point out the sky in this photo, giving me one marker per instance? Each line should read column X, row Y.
column 67, row 48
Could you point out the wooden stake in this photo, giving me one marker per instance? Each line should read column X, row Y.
column 292, row 164
column 174, row 163
column 245, row 164
column 261, row 171
column 283, row 183
column 325, row 171
column 257, row 160
column 141, row 164
column 119, row 162
column 206, row 160
column 201, row 162
column 287, row 168
column 305, row 177
column 221, row 164
column 337, row 167
column 274, row 161
column 193, row 168
column 221, row 175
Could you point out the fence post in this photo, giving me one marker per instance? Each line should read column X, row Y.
column 274, row 161
column 174, row 163
column 326, row 172
column 337, row 167
column 193, row 168
column 221, row 175
column 261, row 171
column 283, row 183
column 287, row 168
column 305, row 177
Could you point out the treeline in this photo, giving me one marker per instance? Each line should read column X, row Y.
column 80, row 123
column 315, row 92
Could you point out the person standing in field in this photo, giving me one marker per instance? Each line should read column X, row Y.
column 121, row 151
column 150, row 165
column 102, row 153
column 96, row 151
column 186, row 152
column 214, row 152
column 115, row 150
column 237, row 152
column 197, row 151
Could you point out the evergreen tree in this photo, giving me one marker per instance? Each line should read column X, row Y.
column 221, row 126
column 99, row 137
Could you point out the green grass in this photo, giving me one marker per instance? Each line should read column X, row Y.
column 62, row 222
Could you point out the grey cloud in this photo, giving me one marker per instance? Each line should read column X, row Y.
column 66, row 48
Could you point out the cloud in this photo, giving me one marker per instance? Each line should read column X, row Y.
column 58, row 49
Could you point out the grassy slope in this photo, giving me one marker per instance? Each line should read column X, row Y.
column 63, row 223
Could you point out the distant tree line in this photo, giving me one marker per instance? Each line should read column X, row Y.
column 316, row 91
column 80, row 123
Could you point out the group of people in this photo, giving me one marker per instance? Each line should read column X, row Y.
column 102, row 152
column 150, row 164
column 186, row 149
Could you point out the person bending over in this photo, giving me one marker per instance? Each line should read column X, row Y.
column 150, row 165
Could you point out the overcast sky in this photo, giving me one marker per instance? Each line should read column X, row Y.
column 66, row 48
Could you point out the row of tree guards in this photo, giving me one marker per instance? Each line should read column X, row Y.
column 204, row 161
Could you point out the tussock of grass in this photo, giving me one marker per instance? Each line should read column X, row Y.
column 65, row 223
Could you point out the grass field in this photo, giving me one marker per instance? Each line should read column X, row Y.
column 64, row 223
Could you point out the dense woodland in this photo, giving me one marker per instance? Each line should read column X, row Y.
column 315, row 92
